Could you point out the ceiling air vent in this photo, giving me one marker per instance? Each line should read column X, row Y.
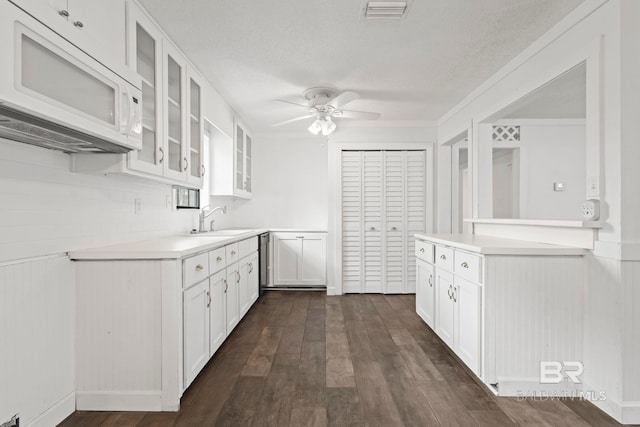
column 385, row 9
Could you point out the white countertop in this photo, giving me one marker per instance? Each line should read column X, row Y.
column 489, row 245
column 173, row 247
column 567, row 223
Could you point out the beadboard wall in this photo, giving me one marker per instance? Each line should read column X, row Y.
column 37, row 359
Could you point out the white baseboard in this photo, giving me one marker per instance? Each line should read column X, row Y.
column 630, row 412
column 57, row 413
column 119, row 401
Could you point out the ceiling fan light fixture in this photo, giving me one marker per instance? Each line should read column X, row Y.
column 327, row 126
column 315, row 127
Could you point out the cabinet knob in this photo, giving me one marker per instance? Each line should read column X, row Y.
column 64, row 13
column 209, row 296
column 449, row 292
column 394, row 228
column 422, row 250
column 186, row 164
column 238, row 277
column 443, row 257
column 455, row 294
column 219, row 259
column 226, row 286
column 250, row 267
column 233, row 252
column 464, row 265
column 372, row 229
column 161, row 150
column 430, row 280
column 199, row 267
column 203, row 171
column 78, row 24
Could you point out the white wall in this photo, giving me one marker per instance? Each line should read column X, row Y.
column 548, row 154
column 46, row 211
column 290, row 184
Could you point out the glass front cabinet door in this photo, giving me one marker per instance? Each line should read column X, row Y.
column 243, row 185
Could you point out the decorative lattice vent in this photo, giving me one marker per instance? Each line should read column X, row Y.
column 506, row 133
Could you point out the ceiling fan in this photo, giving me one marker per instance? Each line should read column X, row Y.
column 324, row 104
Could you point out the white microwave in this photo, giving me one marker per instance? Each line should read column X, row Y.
column 54, row 95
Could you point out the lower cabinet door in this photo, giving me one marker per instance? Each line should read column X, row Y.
column 233, row 291
column 253, row 279
column 313, row 259
column 196, row 329
column 425, row 292
column 468, row 299
column 217, row 311
column 243, row 287
column 444, row 306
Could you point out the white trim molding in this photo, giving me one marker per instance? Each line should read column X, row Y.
column 57, row 413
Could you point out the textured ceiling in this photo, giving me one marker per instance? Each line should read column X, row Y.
column 417, row 68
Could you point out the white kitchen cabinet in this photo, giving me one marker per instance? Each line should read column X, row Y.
column 172, row 105
column 253, row 278
column 489, row 293
column 243, row 162
column 425, row 291
column 97, row 27
column 196, row 308
column 249, row 283
column 233, row 297
column 382, row 207
column 444, row 323
column 467, row 298
column 145, row 57
column 299, row 259
column 217, row 311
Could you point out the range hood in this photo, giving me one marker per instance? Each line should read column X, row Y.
column 21, row 127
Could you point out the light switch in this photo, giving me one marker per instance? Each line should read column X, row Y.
column 558, row 186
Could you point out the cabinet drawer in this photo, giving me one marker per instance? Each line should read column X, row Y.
column 195, row 269
column 247, row 247
column 444, row 257
column 232, row 253
column 217, row 260
column 468, row 266
column 424, row 251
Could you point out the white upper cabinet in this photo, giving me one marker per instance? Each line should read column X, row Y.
column 175, row 100
column 145, row 57
column 243, row 160
column 231, row 161
column 194, row 157
column 97, row 27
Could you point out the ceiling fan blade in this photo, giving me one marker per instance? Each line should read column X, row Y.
column 308, row 116
column 359, row 115
column 343, row 99
column 306, row 107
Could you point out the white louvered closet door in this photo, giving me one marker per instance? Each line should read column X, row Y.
column 416, row 178
column 383, row 205
column 395, row 210
column 352, row 260
column 372, row 175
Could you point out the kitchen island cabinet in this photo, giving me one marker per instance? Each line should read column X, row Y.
column 501, row 305
column 151, row 314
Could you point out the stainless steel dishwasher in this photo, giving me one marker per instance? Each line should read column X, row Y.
column 263, row 264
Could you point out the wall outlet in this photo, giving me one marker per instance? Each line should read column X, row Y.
column 13, row 422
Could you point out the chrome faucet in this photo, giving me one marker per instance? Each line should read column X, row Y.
column 205, row 212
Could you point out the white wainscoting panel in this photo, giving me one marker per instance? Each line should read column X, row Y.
column 37, row 340
column 118, row 337
column 537, row 308
column 631, row 337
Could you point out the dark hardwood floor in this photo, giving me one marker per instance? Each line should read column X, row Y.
column 306, row 359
